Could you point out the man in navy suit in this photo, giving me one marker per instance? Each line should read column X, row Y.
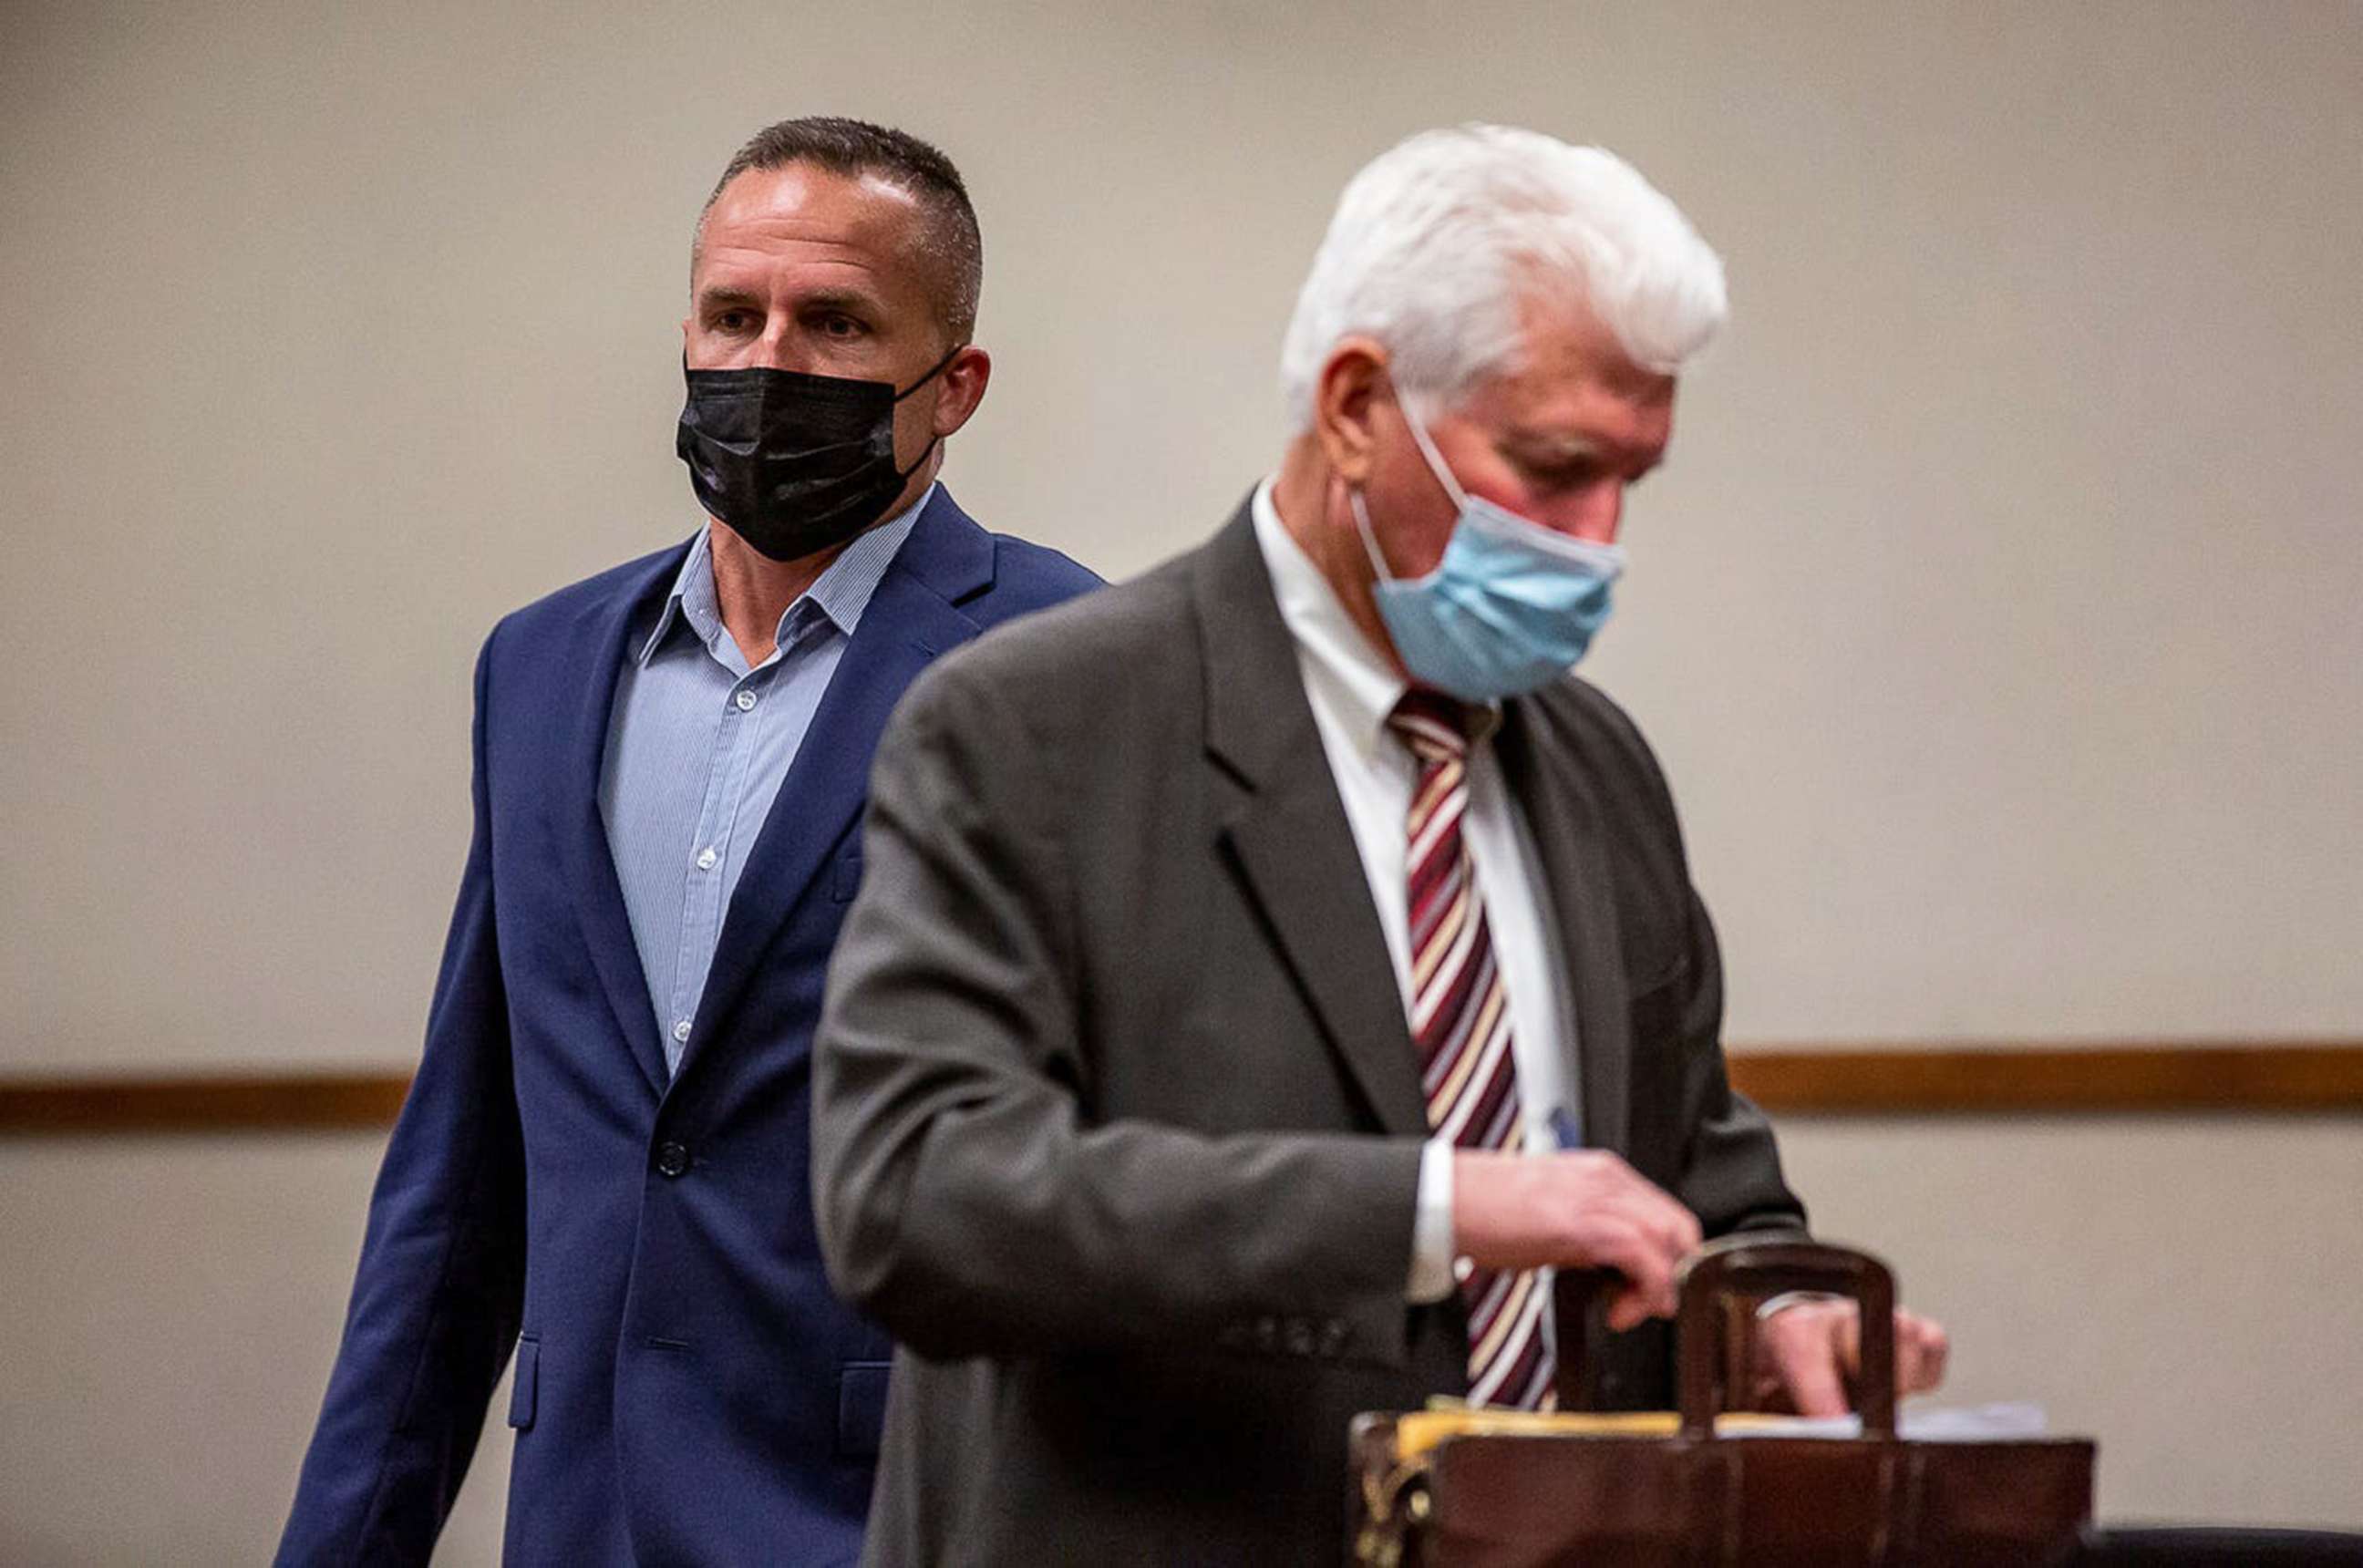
column 602, row 1162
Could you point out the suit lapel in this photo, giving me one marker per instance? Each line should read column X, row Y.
column 582, row 835
column 910, row 621
column 1548, row 785
column 1286, row 829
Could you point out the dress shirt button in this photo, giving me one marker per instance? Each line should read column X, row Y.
column 681, row 1031
column 745, row 701
column 706, row 859
column 672, row 1159
column 1462, row 1268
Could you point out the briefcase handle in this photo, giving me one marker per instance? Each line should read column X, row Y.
column 1754, row 1268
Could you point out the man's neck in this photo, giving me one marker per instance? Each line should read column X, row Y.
column 753, row 591
column 1311, row 501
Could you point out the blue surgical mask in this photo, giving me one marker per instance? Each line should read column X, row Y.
column 1512, row 606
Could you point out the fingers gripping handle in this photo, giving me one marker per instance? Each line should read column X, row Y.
column 1758, row 1268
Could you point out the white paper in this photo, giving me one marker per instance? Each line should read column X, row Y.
column 1966, row 1423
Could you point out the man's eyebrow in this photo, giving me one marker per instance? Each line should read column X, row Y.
column 717, row 294
column 839, row 300
column 1552, row 446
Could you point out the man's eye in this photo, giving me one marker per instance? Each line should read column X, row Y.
column 840, row 327
column 733, row 321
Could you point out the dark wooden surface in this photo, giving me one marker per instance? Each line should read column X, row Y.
column 2321, row 1076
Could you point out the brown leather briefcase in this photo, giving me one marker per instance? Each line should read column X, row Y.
column 1461, row 1490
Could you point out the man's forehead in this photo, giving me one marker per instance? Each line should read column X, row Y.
column 1572, row 392
column 1540, row 404
column 732, row 267
column 807, row 192
column 1563, row 340
column 813, row 212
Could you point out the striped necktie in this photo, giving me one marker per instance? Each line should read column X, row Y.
column 1460, row 1024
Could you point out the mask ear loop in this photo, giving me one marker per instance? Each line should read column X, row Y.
column 1362, row 531
column 1436, row 463
column 934, row 372
column 904, row 473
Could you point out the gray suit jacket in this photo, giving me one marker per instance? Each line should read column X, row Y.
column 1117, row 1124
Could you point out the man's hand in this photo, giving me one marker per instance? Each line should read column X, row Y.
column 1588, row 1208
column 1807, row 1352
column 1584, row 1208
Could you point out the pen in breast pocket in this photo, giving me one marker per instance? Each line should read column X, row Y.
column 1564, row 1131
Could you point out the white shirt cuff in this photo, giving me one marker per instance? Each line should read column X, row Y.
column 1431, row 1230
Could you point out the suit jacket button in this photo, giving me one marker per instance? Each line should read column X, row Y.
column 1333, row 1337
column 1267, row 1334
column 672, row 1159
column 1300, row 1337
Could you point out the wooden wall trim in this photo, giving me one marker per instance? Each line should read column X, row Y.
column 2318, row 1076
column 290, row 1102
column 2097, row 1079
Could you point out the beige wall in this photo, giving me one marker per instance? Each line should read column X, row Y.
column 172, row 1308
column 1996, row 616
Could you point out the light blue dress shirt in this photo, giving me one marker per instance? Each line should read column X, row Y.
column 697, row 747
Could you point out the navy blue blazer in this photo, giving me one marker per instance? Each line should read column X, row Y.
column 688, row 1389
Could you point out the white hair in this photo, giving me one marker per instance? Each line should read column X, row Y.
column 1437, row 240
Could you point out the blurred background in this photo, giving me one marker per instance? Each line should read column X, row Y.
column 1995, row 618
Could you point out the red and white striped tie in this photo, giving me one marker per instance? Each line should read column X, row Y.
column 1461, row 1023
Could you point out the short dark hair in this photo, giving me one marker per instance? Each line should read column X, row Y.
column 851, row 148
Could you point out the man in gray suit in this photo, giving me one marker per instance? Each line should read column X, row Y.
column 1266, row 972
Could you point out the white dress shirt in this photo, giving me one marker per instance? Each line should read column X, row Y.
column 1352, row 688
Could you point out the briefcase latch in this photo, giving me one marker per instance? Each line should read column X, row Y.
column 1395, row 1505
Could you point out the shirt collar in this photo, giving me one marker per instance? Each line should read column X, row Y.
column 841, row 592
column 1357, row 683
column 1349, row 675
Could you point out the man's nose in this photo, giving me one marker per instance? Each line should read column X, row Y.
column 775, row 351
column 781, row 347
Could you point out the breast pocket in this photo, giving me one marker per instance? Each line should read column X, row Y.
column 525, row 1385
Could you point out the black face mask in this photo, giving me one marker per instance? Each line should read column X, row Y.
column 794, row 463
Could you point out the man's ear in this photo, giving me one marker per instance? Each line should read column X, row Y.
column 1352, row 383
column 963, row 388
